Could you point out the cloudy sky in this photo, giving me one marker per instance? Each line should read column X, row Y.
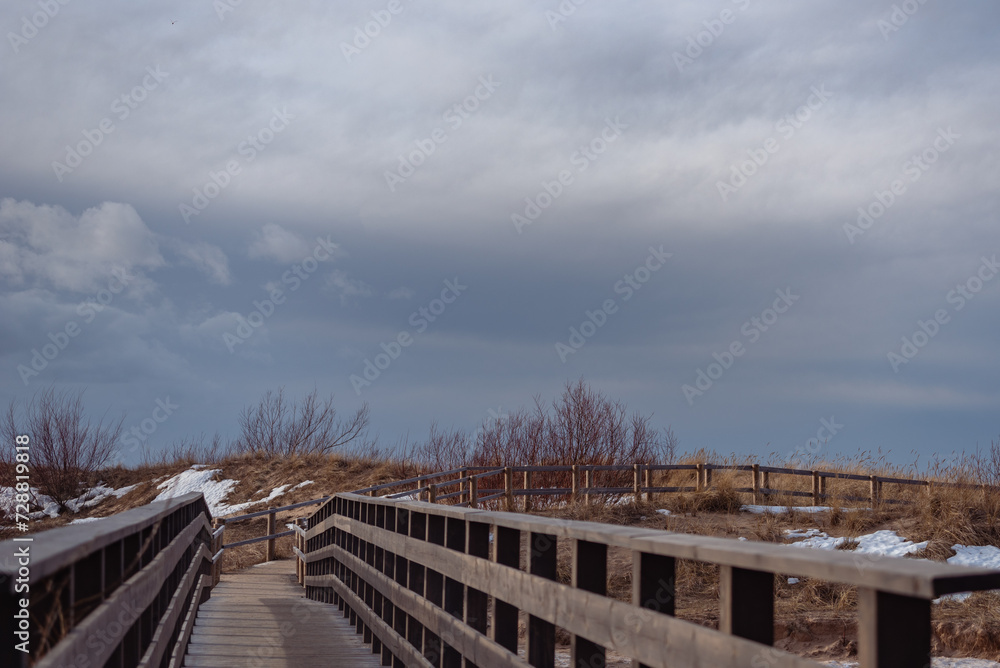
column 743, row 217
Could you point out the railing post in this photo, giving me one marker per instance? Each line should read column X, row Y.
column 815, row 490
column 699, row 484
column 508, row 487
column 432, row 493
column 541, row 649
column 589, row 573
column 755, row 471
column 637, row 482
column 217, row 544
column 507, row 552
column 474, row 493
column 708, row 476
column 654, row 579
column 300, row 539
column 893, row 630
column 746, row 604
column 575, row 482
column 588, row 482
column 647, row 478
column 875, row 488
column 527, row 487
column 766, row 485
column 271, row 530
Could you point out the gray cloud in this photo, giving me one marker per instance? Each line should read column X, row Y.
column 284, row 139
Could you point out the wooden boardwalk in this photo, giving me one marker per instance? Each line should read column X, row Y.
column 260, row 618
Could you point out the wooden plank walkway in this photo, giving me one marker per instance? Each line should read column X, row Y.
column 260, row 618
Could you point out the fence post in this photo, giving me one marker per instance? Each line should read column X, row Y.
column 875, row 486
column 766, row 485
column 432, row 493
column 699, row 485
column 588, row 482
column 708, row 476
column 508, row 487
column 271, row 530
column 637, row 482
column 755, row 471
column 647, row 477
column 527, row 486
column 575, row 482
column 298, row 562
column 474, row 493
column 816, row 492
column 216, row 546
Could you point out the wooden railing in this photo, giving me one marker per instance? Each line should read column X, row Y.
column 119, row 593
column 430, row 585
column 464, row 486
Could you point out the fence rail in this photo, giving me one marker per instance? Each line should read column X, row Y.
column 119, row 593
column 420, row 581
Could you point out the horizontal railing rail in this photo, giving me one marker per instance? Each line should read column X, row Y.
column 420, row 582
column 114, row 593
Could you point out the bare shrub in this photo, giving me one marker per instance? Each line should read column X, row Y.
column 67, row 448
column 276, row 427
column 582, row 426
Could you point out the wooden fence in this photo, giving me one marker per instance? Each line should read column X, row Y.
column 119, row 593
column 432, row 585
column 473, row 486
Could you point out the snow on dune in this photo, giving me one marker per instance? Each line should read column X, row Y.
column 50, row 508
column 199, row 480
column 885, row 542
column 781, row 510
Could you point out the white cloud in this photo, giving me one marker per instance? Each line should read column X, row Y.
column 276, row 243
column 47, row 246
column 348, row 287
column 208, row 259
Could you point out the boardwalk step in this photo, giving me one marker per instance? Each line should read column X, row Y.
column 261, row 618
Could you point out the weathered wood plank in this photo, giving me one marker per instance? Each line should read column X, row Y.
column 262, row 618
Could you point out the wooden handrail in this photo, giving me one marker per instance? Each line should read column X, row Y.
column 135, row 572
column 416, row 576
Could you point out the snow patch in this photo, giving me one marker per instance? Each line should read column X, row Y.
column 885, row 543
column 304, row 483
column 199, row 480
column 85, row 520
column 782, row 510
column 663, row 511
